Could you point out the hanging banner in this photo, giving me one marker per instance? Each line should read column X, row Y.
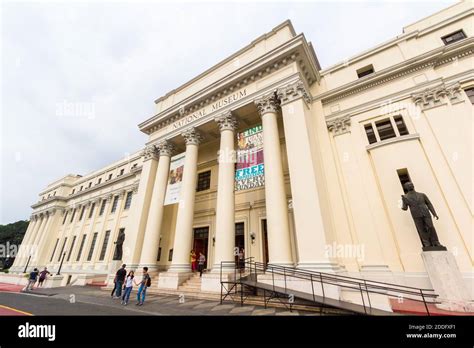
column 249, row 172
column 175, row 179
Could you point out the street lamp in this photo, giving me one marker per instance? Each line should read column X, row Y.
column 61, row 264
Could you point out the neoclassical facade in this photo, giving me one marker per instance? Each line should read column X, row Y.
column 332, row 150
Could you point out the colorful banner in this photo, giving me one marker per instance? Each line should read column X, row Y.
column 174, row 179
column 250, row 169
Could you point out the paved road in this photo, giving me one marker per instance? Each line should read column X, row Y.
column 76, row 300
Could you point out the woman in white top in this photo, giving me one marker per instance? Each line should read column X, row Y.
column 128, row 287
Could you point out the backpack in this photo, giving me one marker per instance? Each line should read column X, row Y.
column 148, row 282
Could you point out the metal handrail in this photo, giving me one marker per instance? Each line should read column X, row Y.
column 375, row 287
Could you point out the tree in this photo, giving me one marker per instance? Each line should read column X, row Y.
column 13, row 235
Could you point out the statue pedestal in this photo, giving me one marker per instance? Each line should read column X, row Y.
column 447, row 281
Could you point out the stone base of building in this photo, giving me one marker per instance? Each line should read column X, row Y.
column 447, row 281
column 54, row 281
column 211, row 282
column 172, row 280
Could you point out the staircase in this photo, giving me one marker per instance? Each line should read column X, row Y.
column 320, row 289
column 190, row 288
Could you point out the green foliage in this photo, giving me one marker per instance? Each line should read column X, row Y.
column 13, row 232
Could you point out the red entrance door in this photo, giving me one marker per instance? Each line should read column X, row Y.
column 201, row 239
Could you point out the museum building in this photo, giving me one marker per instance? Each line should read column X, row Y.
column 268, row 155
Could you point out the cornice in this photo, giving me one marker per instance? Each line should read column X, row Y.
column 462, row 78
column 249, row 98
column 295, row 50
column 432, row 59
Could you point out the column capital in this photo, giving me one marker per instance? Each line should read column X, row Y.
column 293, row 91
column 165, row 148
column 226, row 121
column 339, row 125
column 267, row 103
column 150, row 152
column 192, row 136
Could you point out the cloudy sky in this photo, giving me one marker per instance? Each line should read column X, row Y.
column 110, row 60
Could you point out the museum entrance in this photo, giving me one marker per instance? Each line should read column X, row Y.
column 239, row 241
column 200, row 242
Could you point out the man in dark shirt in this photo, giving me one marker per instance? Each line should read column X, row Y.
column 32, row 280
column 119, row 279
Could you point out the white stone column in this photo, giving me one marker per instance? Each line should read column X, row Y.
column 180, row 267
column 311, row 232
column 184, row 223
column 22, row 250
column 155, row 215
column 136, row 222
column 41, row 255
column 225, row 206
column 33, row 247
column 279, row 247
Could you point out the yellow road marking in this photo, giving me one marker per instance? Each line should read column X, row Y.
column 15, row 310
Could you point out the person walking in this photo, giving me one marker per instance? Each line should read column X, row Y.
column 119, row 279
column 201, row 262
column 32, row 280
column 128, row 287
column 42, row 277
column 193, row 261
column 144, row 284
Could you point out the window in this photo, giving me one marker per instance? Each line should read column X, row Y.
column 159, row 254
column 81, row 188
column 170, row 255
column 370, row 133
column 110, row 177
column 114, row 204
column 99, row 181
column 121, row 172
column 204, row 181
column 81, row 247
column 91, row 211
column 453, row 37
column 54, row 250
column 72, row 216
column 104, row 246
column 65, row 216
column 91, row 250
column 128, row 200
column 385, row 129
column 62, row 249
column 404, row 177
column 54, row 194
column 73, row 191
column 90, row 184
column 102, row 207
column 402, row 128
column 82, row 212
column 366, row 70
column 72, row 247
column 470, row 94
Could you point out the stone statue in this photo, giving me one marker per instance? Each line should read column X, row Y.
column 420, row 209
column 118, row 246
